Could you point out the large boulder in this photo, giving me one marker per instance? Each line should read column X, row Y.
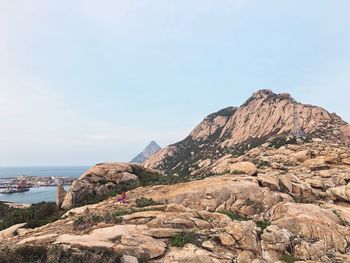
column 103, row 179
column 341, row 193
column 193, row 254
column 312, row 222
column 274, row 242
column 241, row 194
column 243, row 167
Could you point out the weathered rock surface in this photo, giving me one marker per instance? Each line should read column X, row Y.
column 60, row 195
column 102, row 179
column 10, row 232
column 193, row 254
column 233, row 131
column 311, row 221
column 239, row 194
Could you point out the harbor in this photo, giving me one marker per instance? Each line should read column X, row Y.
column 23, row 183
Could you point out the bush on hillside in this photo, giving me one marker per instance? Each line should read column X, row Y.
column 36, row 215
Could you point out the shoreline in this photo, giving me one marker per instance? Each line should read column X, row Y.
column 15, row 205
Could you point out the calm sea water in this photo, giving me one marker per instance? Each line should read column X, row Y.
column 36, row 195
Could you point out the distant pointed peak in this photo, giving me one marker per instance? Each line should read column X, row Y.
column 153, row 142
column 150, row 149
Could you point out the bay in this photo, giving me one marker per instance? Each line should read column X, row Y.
column 37, row 194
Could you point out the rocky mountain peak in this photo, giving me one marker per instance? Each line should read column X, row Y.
column 150, row 149
column 265, row 116
column 262, row 94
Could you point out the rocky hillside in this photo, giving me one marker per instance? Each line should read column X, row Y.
column 292, row 205
column 103, row 180
column 264, row 117
column 150, row 149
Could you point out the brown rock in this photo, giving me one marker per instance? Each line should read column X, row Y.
column 311, row 251
column 226, row 239
column 10, row 232
column 310, row 221
column 243, row 167
column 192, row 254
column 245, row 235
column 101, row 179
column 340, row 193
column 60, row 195
column 274, row 243
column 269, row 181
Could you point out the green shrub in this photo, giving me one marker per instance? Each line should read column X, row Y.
column 282, row 141
column 258, row 206
column 288, row 258
column 263, row 224
column 233, row 215
column 36, row 215
column 143, row 202
column 181, row 239
column 61, row 255
column 28, row 254
column 85, row 222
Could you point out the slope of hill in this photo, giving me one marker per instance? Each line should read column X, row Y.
column 264, row 117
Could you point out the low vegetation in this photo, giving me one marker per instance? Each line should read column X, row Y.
column 288, row 258
column 233, row 215
column 82, row 223
column 144, row 202
column 263, row 224
column 34, row 216
column 282, row 141
column 181, row 239
column 42, row 254
column 29, row 254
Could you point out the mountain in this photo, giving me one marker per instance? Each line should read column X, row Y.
column 266, row 182
column 150, row 149
column 264, row 117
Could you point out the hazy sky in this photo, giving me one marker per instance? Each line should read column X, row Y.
column 83, row 82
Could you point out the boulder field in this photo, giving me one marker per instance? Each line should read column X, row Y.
column 293, row 208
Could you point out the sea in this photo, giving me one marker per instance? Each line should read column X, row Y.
column 37, row 194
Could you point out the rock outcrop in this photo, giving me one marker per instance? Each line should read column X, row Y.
column 60, row 195
column 234, row 131
column 103, row 179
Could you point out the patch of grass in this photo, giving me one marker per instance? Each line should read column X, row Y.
column 282, row 141
column 261, row 163
column 28, row 254
column 61, row 255
column 258, row 206
column 85, row 222
column 4, row 210
column 36, row 215
column 181, row 239
column 233, row 215
column 143, row 202
column 263, row 224
column 288, row 258
column 236, row 172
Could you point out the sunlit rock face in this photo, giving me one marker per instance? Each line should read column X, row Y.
column 233, row 131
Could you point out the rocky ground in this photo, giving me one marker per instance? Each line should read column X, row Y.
column 289, row 204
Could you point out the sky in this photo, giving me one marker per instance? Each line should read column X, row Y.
column 83, row 82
